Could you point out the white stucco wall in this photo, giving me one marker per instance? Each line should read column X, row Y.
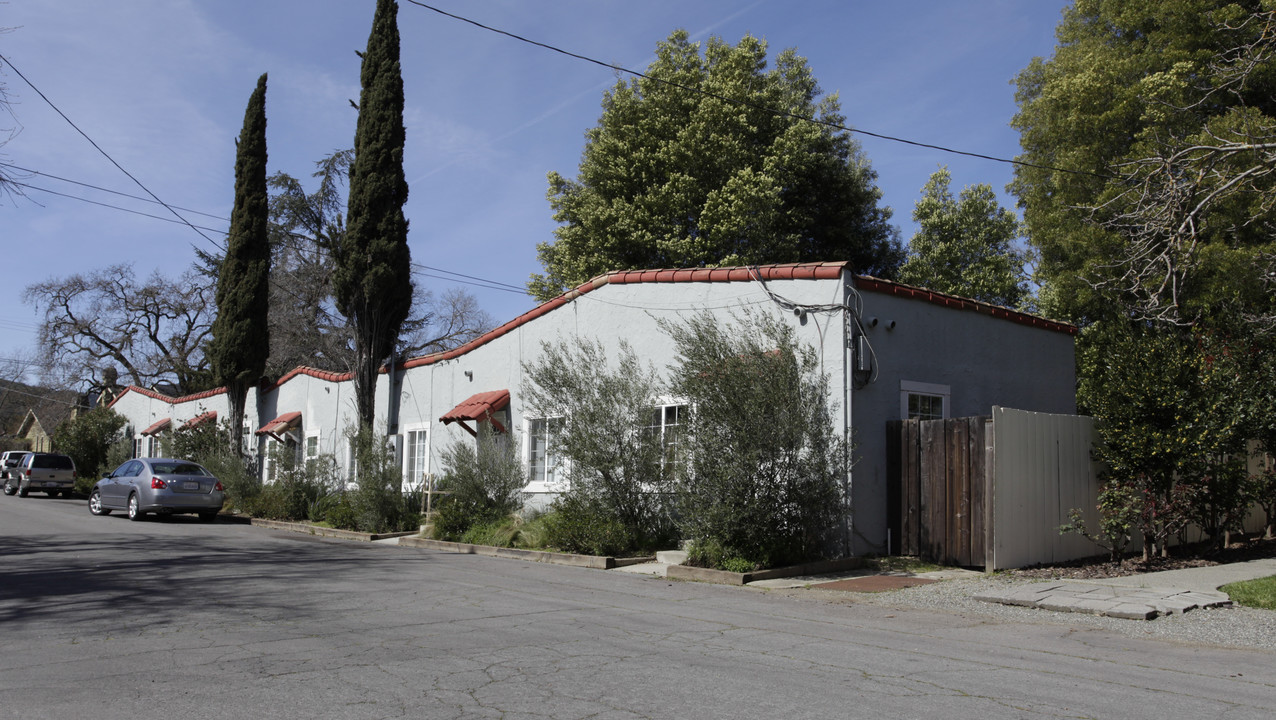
column 982, row 360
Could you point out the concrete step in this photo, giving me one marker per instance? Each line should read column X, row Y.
column 672, row 557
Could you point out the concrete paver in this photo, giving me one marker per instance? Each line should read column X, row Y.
column 1140, row 597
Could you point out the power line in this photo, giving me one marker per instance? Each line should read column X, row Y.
column 113, row 192
column 750, row 105
column 425, row 270
column 98, row 147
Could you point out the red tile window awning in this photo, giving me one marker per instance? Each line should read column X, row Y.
column 281, row 424
column 158, row 426
column 478, row 408
column 200, row 420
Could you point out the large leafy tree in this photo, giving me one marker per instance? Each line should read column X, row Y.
column 372, row 280
column 241, row 338
column 714, row 159
column 966, row 245
column 1148, row 135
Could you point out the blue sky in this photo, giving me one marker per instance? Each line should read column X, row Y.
column 161, row 86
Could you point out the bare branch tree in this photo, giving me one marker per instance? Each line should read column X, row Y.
column 1206, row 183
column 155, row 330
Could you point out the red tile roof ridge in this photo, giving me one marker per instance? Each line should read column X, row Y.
column 783, row 271
column 327, row 375
column 898, row 289
column 155, row 394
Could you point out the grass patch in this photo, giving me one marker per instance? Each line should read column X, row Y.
column 901, row 563
column 1260, row 593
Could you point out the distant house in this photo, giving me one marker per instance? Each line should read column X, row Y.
column 892, row 351
column 38, row 433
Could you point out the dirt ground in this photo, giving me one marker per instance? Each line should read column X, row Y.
column 1181, row 557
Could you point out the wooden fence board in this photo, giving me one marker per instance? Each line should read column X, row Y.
column 936, row 472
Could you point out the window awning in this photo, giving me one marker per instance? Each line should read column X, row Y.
column 158, row 426
column 478, row 408
column 281, row 424
column 200, row 420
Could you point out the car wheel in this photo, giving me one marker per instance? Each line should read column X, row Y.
column 135, row 508
column 9, row 487
column 207, row 517
column 95, row 504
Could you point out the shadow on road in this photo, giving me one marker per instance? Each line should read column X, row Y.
column 161, row 579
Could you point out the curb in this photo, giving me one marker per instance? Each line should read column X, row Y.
column 722, row 577
column 326, row 532
column 594, row 562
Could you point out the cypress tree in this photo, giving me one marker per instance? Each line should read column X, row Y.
column 241, row 341
column 372, row 280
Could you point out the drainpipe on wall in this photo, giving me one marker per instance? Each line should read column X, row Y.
column 847, row 415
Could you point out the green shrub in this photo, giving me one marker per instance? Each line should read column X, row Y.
column 485, row 479
column 764, row 469
column 378, row 502
column 497, row 533
column 575, row 525
column 711, row 554
column 336, row 509
column 238, row 477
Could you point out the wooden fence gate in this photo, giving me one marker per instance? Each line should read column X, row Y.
column 936, row 489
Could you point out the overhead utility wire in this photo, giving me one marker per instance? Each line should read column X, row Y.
column 99, row 148
column 745, row 103
column 468, row 279
column 113, row 192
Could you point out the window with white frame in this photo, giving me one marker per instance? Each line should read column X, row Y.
column 416, row 456
column 923, row 401
column 542, row 459
column 139, row 446
column 667, row 422
column 311, row 452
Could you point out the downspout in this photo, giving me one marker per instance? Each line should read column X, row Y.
column 848, row 367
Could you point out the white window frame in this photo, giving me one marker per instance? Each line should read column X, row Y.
column 909, row 388
column 415, row 437
column 554, row 477
column 662, row 408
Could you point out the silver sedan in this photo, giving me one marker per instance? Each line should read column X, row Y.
column 158, row 485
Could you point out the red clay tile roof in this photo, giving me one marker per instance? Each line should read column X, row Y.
column 889, row 287
column 200, row 420
column 312, row 372
column 165, row 398
column 478, row 407
column 158, row 426
column 791, row 271
column 280, row 424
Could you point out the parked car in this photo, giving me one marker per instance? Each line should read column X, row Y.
column 158, row 485
column 47, row 472
column 9, row 459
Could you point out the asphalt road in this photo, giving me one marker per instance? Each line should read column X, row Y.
column 104, row 618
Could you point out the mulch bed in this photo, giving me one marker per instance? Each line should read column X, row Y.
column 1188, row 556
column 874, row 583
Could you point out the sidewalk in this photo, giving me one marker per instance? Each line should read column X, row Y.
column 1137, row 597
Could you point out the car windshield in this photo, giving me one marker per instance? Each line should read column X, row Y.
column 178, row 468
column 52, row 462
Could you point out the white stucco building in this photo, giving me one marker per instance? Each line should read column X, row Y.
column 892, row 351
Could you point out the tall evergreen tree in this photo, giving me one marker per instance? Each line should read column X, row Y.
column 372, row 280
column 712, row 159
column 240, row 345
column 965, row 245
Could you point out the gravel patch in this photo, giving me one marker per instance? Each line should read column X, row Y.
column 1227, row 627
